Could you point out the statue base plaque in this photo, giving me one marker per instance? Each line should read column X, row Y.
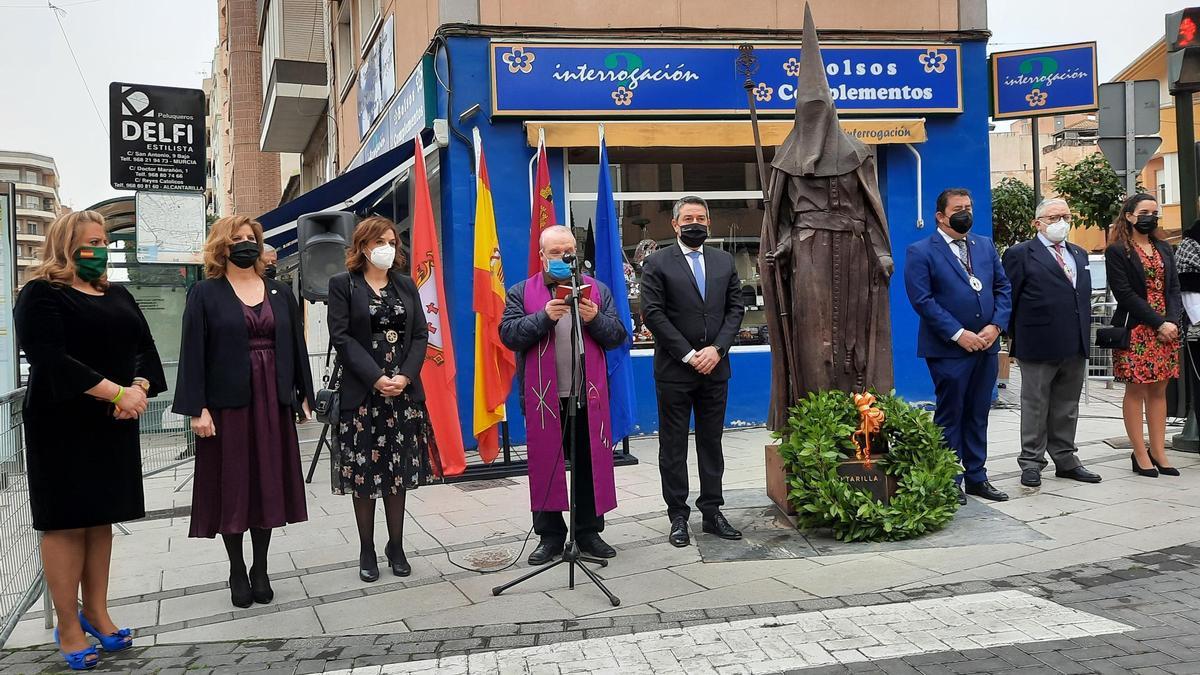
column 858, row 475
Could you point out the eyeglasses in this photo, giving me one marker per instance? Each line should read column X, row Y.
column 1050, row 220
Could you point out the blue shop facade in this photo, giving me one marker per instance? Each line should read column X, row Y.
column 676, row 122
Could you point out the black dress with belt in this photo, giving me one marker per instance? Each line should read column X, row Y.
column 85, row 467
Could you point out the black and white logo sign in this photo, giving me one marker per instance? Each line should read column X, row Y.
column 156, row 136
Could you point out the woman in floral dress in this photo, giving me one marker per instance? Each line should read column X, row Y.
column 1141, row 273
column 384, row 439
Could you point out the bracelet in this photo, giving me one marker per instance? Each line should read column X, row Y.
column 117, row 398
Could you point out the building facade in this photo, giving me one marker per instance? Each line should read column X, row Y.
column 37, row 204
column 910, row 79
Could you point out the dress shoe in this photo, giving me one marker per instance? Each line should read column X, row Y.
column 239, row 589
column 1078, row 473
column 397, row 560
column 962, row 496
column 1031, row 478
column 987, row 491
column 679, row 532
column 1148, row 473
column 716, row 524
column 591, row 544
column 547, row 550
column 260, row 585
column 368, row 566
column 1164, row 470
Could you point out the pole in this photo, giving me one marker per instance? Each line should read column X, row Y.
column 1189, row 440
column 1037, row 161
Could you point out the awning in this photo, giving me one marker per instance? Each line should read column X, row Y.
column 710, row 133
column 357, row 190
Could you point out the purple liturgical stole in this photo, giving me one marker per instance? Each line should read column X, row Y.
column 543, row 426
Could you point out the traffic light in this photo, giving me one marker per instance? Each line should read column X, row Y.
column 1183, row 50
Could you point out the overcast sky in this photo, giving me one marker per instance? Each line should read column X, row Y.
column 170, row 42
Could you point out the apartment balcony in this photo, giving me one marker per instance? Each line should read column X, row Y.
column 295, row 83
column 34, row 188
column 35, row 213
column 27, row 238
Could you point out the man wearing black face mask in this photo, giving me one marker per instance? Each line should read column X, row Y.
column 957, row 286
column 692, row 303
column 270, row 258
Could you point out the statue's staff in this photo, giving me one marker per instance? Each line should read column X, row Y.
column 775, row 302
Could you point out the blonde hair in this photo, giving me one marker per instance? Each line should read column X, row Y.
column 58, row 251
column 220, row 238
column 366, row 232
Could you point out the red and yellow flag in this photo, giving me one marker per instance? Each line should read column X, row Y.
column 542, row 215
column 437, row 373
column 495, row 364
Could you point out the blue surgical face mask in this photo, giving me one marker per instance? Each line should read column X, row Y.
column 559, row 270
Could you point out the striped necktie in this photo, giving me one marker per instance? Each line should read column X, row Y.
column 1062, row 262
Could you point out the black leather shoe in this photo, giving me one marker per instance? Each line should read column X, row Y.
column 962, row 496
column 239, row 589
column 1080, row 474
column 591, row 544
column 547, row 550
column 1032, row 477
column 1164, row 470
column 679, row 533
column 398, row 562
column 368, row 566
column 987, row 491
column 260, row 586
column 719, row 526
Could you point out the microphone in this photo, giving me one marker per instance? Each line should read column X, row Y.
column 569, row 259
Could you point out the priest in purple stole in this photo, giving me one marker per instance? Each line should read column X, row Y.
column 537, row 326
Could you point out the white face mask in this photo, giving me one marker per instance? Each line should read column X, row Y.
column 383, row 256
column 1057, row 231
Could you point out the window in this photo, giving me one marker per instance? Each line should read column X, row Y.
column 32, row 227
column 48, row 204
column 10, row 175
column 34, row 177
column 344, row 47
column 368, row 16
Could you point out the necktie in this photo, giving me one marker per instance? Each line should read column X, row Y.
column 960, row 250
column 1062, row 262
column 697, row 271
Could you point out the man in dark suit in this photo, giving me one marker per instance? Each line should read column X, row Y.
column 958, row 288
column 1050, row 333
column 692, row 303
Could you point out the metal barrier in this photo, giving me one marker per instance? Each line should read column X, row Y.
column 1100, row 361
column 21, row 580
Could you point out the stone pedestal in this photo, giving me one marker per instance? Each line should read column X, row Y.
column 777, row 488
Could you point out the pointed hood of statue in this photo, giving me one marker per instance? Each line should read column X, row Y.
column 816, row 146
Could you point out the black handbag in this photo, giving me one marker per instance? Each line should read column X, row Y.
column 1114, row 337
column 329, row 397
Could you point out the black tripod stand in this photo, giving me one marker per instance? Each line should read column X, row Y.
column 326, row 439
column 571, row 554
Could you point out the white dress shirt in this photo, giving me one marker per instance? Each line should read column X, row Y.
column 1068, row 257
column 687, row 358
column 953, row 249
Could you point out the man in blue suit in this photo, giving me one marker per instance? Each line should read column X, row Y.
column 957, row 286
column 1050, row 332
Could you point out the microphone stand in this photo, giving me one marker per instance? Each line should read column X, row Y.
column 571, row 554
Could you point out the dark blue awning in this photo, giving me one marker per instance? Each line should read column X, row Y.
column 356, row 190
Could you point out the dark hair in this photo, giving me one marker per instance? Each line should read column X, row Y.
column 946, row 194
column 1121, row 230
column 690, row 199
column 365, row 234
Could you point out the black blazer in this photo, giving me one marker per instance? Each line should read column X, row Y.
column 214, row 356
column 680, row 320
column 1051, row 320
column 1127, row 280
column 350, row 333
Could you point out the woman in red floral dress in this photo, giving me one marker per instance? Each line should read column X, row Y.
column 1141, row 273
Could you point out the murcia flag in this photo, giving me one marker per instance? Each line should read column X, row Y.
column 495, row 364
column 437, row 373
column 543, row 206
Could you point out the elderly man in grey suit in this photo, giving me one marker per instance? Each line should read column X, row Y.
column 1050, row 333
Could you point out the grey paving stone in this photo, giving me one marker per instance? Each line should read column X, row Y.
column 309, row 667
column 565, row 636
column 411, row 647
column 510, row 641
column 607, row 632
column 495, row 629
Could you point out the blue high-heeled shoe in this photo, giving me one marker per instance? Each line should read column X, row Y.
column 84, row 659
column 117, row 642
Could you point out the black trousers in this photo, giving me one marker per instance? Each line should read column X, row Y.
column 677, row 401
column 550, row 524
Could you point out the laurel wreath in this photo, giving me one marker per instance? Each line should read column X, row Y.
column 819, row 435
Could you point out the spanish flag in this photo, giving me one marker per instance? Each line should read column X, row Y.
column 495, row 365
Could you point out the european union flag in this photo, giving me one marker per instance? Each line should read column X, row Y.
column 610, row 270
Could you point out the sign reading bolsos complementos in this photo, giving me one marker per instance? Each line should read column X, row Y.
column 1044, row 81
column 409, row 112
column 156, row 137
column 532, row 78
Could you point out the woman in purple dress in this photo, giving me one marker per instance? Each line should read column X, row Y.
column 244, row 380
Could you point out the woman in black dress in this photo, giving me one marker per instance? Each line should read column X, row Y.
column 92, row 363
column 384, row 439
column 244, row 380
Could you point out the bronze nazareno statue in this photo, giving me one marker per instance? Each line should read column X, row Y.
column 831, row 327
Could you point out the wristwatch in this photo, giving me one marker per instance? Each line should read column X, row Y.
column 143, row 383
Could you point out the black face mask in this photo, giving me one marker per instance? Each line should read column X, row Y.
column 270, row 271
column 961, row 222
column 1146, row 223
column 244, row 254
column 693, row 236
